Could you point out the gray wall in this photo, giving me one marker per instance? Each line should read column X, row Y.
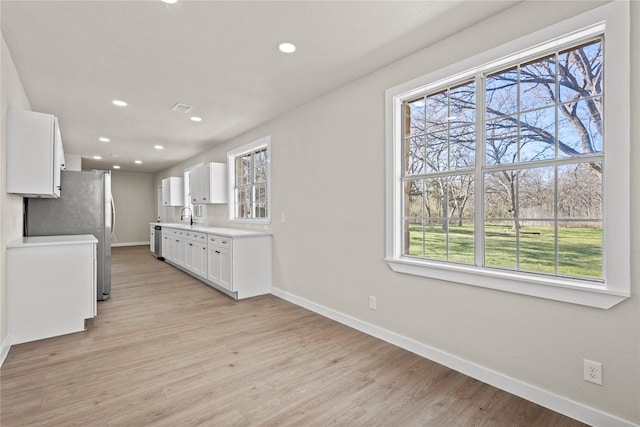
column 330, row 250
column 134, row 198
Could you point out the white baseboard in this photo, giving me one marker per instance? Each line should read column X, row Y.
column 115, row 245
column 6, row 346
column 514, row 386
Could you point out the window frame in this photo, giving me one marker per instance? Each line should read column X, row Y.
column 252, row 147
column 612, row 20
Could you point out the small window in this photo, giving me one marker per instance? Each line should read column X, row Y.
column 250, row 182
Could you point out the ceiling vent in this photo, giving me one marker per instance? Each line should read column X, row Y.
column 181, row 108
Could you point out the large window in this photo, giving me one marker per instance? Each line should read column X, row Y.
column 500, row 170
column 250, row 182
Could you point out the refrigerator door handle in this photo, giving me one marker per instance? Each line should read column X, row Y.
column 113, row 218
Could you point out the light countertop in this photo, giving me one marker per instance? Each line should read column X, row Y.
column 76, row 239
column 222, row 231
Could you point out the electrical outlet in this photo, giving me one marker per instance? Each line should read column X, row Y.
column 592, row 371
column 372, row 302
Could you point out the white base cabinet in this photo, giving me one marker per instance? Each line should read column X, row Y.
column 51, row 286
column 236, row 262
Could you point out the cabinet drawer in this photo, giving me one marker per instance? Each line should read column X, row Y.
column 200, row 237
column 220, row 241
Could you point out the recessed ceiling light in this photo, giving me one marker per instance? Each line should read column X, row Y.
column 97, row 157
column 287, row 47
column 137, row 162
column 158, row 147
column 169, row 1
column 119, row 103
column 196, row 119
column 103, row 139
column 116, row 167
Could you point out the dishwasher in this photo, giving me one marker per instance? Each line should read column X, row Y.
column 157, row 246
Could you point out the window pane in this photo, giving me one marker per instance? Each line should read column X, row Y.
column 413, row 237
column 538, row 135
column 500, row 194
column 500, row 244
column 580, row 71
column 462, row 104
column 437, row 112
column 580, row 191
column 580, row 249
column 435, row 239
column 415, row 123
column 580, row 127
column 501, row 141
column 414, row 151
column 537, row 246
column 538, row 83
column 502, row 93
column 436, row 152
column 460, row 198
column 536, row 191
column 462, row 150
column 414, row 198
column 461, row 238
column 260, row 165
column 435, row 200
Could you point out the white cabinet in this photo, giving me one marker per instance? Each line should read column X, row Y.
column 173, row 191
column 208, row 184
column 34, row 154
column 240, row 264
column 236, row 262
column 220, row 264
column 51, row 286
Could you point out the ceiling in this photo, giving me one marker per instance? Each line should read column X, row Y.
column 221, row 57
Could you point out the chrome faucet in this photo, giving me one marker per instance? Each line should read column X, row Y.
column 182, row 216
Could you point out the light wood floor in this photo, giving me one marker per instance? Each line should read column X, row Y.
column 166, row 350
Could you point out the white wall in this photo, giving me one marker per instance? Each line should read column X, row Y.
column 328, row 170
column 134, row 198
column 11, row 207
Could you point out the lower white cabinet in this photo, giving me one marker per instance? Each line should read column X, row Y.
column 236, row 262
column 51, row 286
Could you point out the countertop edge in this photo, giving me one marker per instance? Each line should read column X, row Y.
column 223, row 231
column 31, row 241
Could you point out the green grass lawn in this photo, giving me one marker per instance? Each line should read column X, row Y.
column 579, row 249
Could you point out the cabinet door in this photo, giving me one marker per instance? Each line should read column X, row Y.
column 188, row 255
column 180, row 251
column 152, row 238
column 166, row 244
column 213, row 261
column 226, row 279
column 195, row 185
column 200, row 259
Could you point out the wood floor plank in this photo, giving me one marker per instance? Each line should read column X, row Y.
column 167, row 350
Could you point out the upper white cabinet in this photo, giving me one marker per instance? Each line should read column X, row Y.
column 34, row 154
column 173, row 191
column 208, row 184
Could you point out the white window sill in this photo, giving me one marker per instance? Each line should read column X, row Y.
column 558, row 289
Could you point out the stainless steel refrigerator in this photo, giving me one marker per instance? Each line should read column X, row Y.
column 85, row 206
